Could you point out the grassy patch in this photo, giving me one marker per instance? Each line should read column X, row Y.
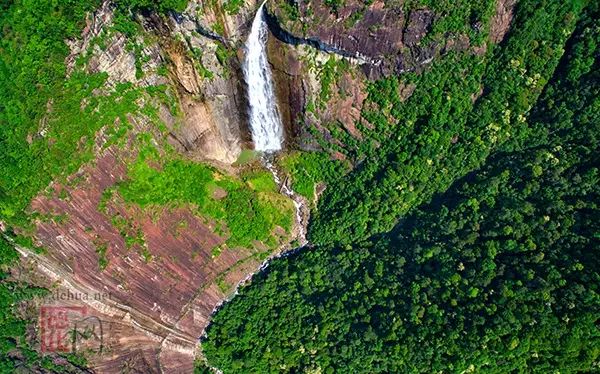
column 248, row 208
column 245, row 157
column 102, row 260
column 308, row 168
column 261, row 181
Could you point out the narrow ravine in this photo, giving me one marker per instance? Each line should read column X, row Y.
column 265, row 121
column 267, row 134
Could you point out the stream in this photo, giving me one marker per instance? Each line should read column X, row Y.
column 265, row 121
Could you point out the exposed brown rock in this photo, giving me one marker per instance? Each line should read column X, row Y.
column 381, row 36
column 406, row 90
column 418, row 25
column 198, row 132
column 480, row 50
column 372, row 31
column 289, row 86
column 114, row 57
column 213, row 109
column 185, row 72
column 295, row 71
column 215, row 97
column 500, row 22
column 477, row 95
column 98, row 21
column 159, row 306
column 345, row 105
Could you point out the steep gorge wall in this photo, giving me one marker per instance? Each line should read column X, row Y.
column 163, row 290
column 324, row 58
column 203, row 50
column 322, row 61
column 321, row 75
column 196, row 55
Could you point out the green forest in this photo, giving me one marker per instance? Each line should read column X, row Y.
column 486, row 260
column 439, row 134
column 460, row 234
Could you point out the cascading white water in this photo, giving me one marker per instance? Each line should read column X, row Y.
column 298, row 202
column 265, row 123
column 266, row 126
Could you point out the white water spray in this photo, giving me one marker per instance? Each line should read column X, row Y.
column 266, row 127
column 265, row 123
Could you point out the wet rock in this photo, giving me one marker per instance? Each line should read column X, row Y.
column 383, row 39
column 417, row 27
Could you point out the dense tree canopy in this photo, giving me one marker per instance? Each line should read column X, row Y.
column 464, row 238
column 497, row 274
column 417, row 148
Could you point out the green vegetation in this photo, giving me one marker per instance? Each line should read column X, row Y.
column 160, row 6
column 290, row 12
column 61, row 143
column 496, row 275
column 45, row 111
column 466, row 240
column 250, row 208
column 309, row 168
column 203, row 71
column 224, row 56
column 233, row 7
column 218, row 28
column 200, row 367
column 51, row 120
column 102, row 260
column 222, row 284
column 468, row 17
column 329, row 73
column 32, row 53
column 414, row 149
column 132, row 235
column 334, row 4
column 260, row 181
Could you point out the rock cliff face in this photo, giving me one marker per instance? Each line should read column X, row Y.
column 298, row 72
column 162, row 292
column 207, row 71
column 202, row 51
column 383, row 37
column 323, row 58
column 322, row 61
column 200, row 66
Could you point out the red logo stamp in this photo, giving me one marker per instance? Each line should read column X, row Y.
column 69, row 328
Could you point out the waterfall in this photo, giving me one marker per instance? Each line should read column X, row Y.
column 265, row 123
